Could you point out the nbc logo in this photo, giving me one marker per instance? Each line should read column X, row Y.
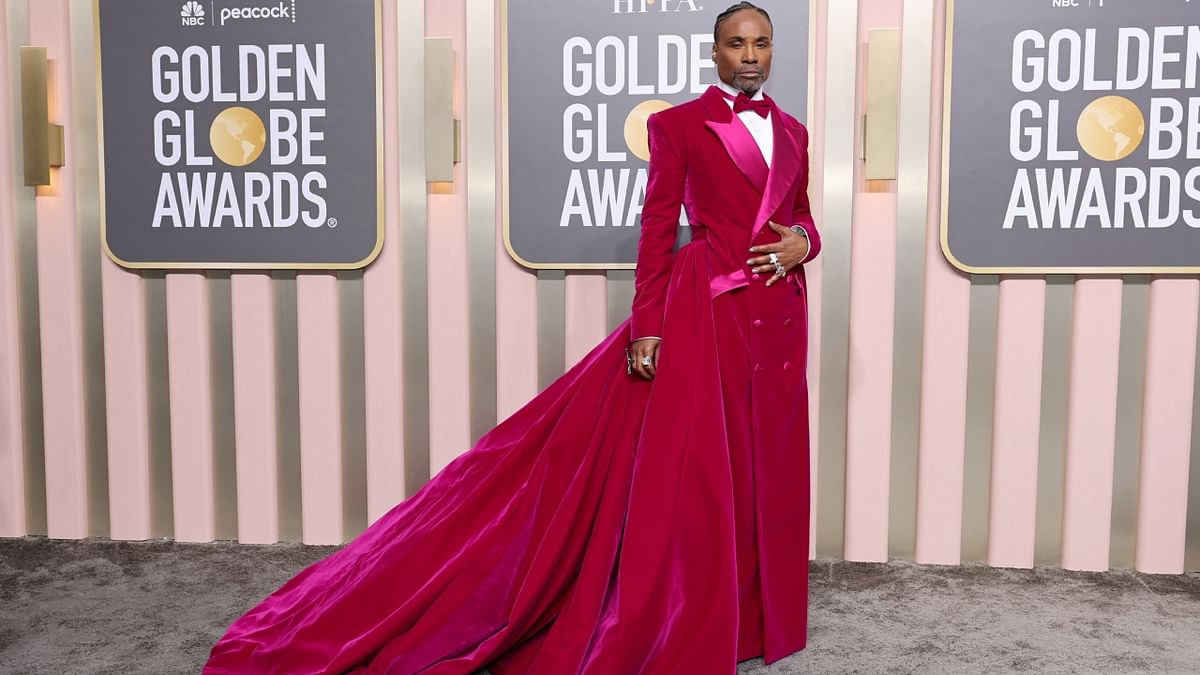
column 192, row 13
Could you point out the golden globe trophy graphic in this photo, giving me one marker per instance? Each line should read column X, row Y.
column 635, row 127
column 1110, row 128
column 238, row 136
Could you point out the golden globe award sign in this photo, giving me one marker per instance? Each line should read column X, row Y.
column 240, row 133
column 1072, row 137
column 580, row 80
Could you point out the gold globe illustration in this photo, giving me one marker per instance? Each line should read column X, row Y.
column 635, row 126
column 237, row 136
column 1110, row 128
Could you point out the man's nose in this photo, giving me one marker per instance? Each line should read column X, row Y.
column 749, row 55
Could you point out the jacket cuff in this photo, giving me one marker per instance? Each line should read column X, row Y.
column 808, row 255
column 643, row 325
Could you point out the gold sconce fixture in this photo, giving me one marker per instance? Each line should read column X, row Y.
column 879, row 140
column 42, row 141
column 442, row 131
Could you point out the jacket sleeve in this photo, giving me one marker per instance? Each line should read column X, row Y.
column 660, row 221
column 802, row 212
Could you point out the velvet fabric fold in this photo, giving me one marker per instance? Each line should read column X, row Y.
column 590, row 532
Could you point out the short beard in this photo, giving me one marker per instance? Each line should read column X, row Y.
column 749, row 88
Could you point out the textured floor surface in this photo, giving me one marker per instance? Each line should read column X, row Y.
column 105, row 607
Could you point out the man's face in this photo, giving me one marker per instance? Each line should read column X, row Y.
column 743, row 51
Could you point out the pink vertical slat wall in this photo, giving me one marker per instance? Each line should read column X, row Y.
column 869, row 391
column 319, row 346
column 1167, row 425
column 383, row 329
column 12, row 457
column 60, row 299
column 516, row 293
column 1091, row 423
column 943, row 414
column 585, row 312
column 872, row 309
column 128, row 413
column 255, row 407
column 189, row 358
column 449, row 275
column 1016, row 438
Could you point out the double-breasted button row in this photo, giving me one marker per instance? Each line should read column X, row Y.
column 758, row 367
column 758, row 323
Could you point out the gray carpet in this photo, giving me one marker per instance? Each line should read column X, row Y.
column 108, row 607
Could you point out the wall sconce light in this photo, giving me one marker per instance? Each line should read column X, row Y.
column 879, row 141
column 442, row 131
column 42, row 141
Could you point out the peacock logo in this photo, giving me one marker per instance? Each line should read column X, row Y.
column 192, row 13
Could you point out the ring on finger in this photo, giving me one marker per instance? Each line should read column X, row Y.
column 779, row 268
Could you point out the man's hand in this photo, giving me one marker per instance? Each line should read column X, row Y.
column 790, row 250
column 642, row 348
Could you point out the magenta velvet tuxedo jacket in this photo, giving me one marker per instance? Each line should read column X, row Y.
column 703, row 158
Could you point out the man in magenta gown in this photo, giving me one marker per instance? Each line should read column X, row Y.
column 648, row 512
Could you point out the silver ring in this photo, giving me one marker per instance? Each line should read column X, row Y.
column 779, row 269
column 645, row 360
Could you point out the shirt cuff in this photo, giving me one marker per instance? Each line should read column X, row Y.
column 646, row 337
column 799, row 229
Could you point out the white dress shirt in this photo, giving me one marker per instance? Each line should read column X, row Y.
column 760, row 127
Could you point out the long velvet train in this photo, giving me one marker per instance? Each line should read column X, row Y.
column 592, row 531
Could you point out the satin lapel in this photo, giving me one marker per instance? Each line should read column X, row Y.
column 785, row 168
column 736, row 139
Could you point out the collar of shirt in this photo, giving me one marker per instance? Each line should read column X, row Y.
column 728, row 89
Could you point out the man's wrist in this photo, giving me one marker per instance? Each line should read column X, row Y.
column 799, row 229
